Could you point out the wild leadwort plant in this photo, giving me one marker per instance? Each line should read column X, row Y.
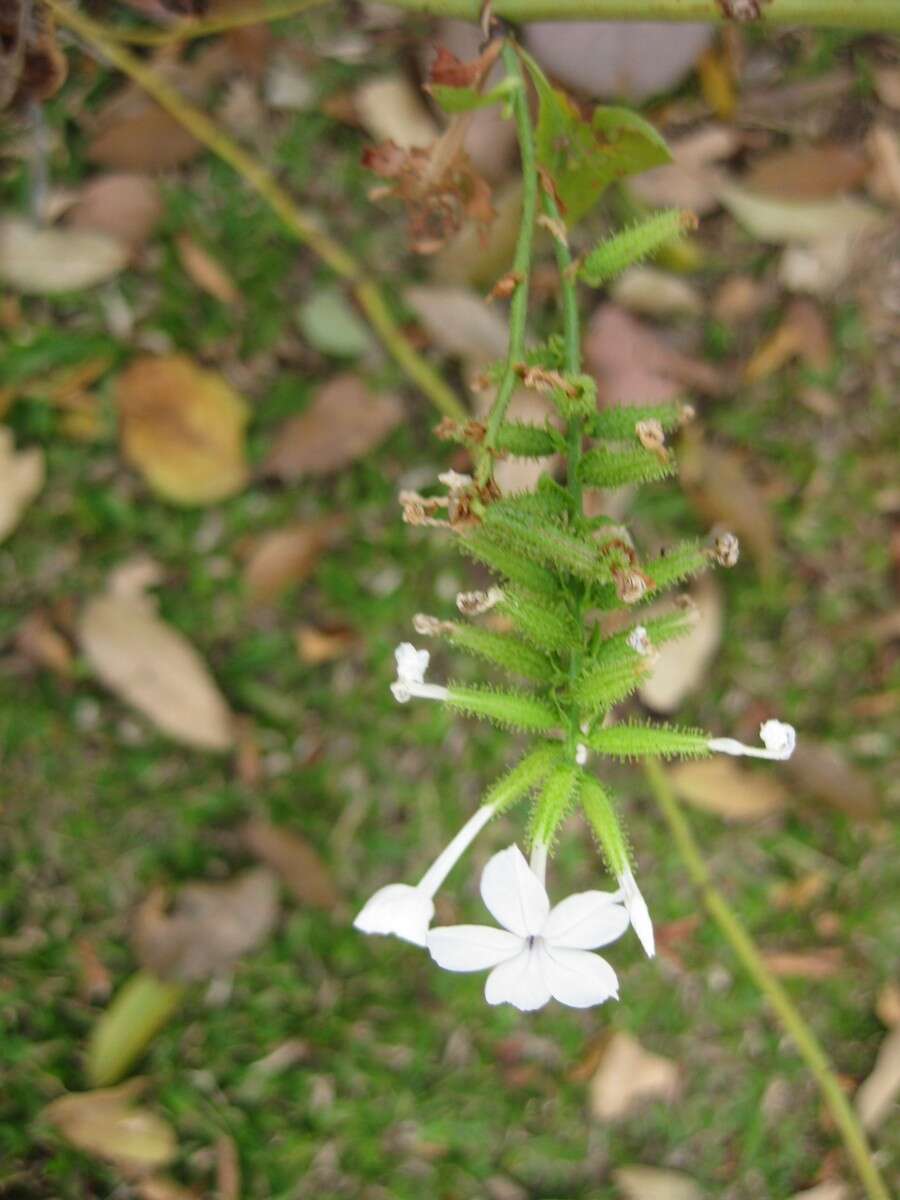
column 560, row 574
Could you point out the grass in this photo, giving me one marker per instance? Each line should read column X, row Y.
column 409, row 1084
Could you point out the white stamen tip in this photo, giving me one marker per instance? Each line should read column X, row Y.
column 778, row 738
column 581, row 754
column 639, row 641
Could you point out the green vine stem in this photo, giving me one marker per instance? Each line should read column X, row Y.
column 304, row 226
column 783, row 1007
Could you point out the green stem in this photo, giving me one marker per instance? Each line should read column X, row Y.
column 850, row 14
column 780, row 1002
column 518, row 309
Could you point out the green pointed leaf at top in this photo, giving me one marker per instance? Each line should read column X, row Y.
column 584, row 156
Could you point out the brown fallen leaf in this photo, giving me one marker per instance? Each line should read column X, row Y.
column 807, row 172
column 42, row 644
column 21, row 478
column 653, row 1183
column 832, row 1189
column 209, row 275
column 721, row 489
column 344, row 422
column 210, row 926
column 294, row 860
column 152, row 667
column 883, row 146
column 629, row 1077
column 820, row 771
column 877, row 1094
column 183, row 428
column 95, row 982
column 887, row 84
column 459, row 322
column 681, row 665
column 692, row 179
column 720, row 786
column 887, row 1005
column 282, row 558
column 43, row 260
column 316, row 645
column 228, row 1169
column 32, row 65
column 783, row 221
column 800, row 893
column 803, row 333
column 124, row 206
column 633, row 365
column 106, row 1123
column 390, row 108
column 822, row 963
column 161, row 1187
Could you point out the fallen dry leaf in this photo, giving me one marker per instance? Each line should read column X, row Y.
column 633, row 365
column 629, row 1077
column 228, row 1169
column 803, row 333
column 282, row 558
column 877, row 1094
column 106, row 1123
column 887, row 1005
column 883, row 146
column 391, row 110
column 344, row 421
column 653, row 1183
column 42, row 644
column 807, row 172
column 720, row 786
column 209, row 275
column 161, row 1187
column 800, row 893
column 773, row 220
column 822, row 963
column 295, row 861
column 124, row 206
column 41, row 260
column 655, row 293
column 460, row 322
column 681, row 665
column 691, row 181
column 819, row 770
column 316, row 646
column 832, row 1189
column 151, row 666
column 210, row 926
column 183, row 428
column 887, row 84
column 94, row 982
column 21, row 478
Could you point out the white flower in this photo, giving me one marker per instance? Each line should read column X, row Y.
column 638, row 913
column 639, row 641
column 411, row 667
column 405, row 910
column 779, row 740
column 540, row 952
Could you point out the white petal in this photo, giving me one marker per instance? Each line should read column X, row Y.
column 471, row 947
column 513, row 894
column 400, row 909
column 638, row 913
column 585, row 921
column 576, row 977
column 779, row 738
column 518, row 981
column 411, row 663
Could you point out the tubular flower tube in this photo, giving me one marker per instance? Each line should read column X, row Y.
column 778, row 738
column 540, row 952
column 638, row 913
column 406, row 910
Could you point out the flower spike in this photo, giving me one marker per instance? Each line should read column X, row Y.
column 778, row 738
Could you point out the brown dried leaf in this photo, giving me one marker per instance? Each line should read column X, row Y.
column 681, row 665
column 42, row 644
column 33, row 68
column 147, row 140
column 345, row 421
column 183, row 428
column 887, row 85
column 883, row 146
column 720, row 786
column 124, row 206
column 803, row 333
column 887, row 1005
column 209, row 928
column 819, row 770
column 281, row 558
column 21, row 478
column 95, row 982
column 42, row 261
column 203, row 269
column 832, row 1189
column 877, row 1094
column 691, row 180
column 106, row 1124
column 151, row 666
column 653, row 1183
column 228, row 1169
column 295, row 861
column 459, row 322
column 822, row 963
column 161, row 1187
column 391, row 110
column 808, row 172
column 316, row 646
column 629, row 1077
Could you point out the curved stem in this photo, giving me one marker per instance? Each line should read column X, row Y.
column 182, row 31
column 304, row 226
column 742, row 944
column 521, row 268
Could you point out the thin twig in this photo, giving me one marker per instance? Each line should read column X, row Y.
column 182, row 31
column 742, row 944
column 304, row 226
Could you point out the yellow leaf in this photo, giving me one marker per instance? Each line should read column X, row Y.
column 106, row 1124
column 183, row 428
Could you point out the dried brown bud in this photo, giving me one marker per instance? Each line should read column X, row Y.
column 473, row 604
column 652, row 437
column 429, row 626
column 631, row 586
column 505, row 286
column 554, row 227
column 726, row 550
column 420, row 510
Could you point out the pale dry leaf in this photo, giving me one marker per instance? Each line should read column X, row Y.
column 877, row 1095
column 739, row 299
column 832, row 1189
column 720, row 786
column 289, row 85
column 228, row 1169
column 208, row 274
column 629, row 1077
column 42, row 644
column 391, row 110
column 681, row 665
column 106, row 1123
column 654, row 1183
column 887, row 1005
column 477, row 258
column 520, row 474
column 316, row 646
column 295, row 861
column 42, row 261
column 883, row 146
column 345, row 420
column 821, row 771
column 460, row 322
column 152, row 667
column 803, row 172
column 21, row 479
column 822, row 963
column 161, row 1187
column 183, row 428
column 147, row 140
column 124, row 206
column 802, row 334
column 887, row 85
column 210, row 926
column 782, row 221
column 817, row 268
column 692, row 180
column 655, row 293
column 281, row 558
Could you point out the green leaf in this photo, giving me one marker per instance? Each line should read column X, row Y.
column 138, row 1011
column 635, row 741
column 584, row 157
column 512, row 710
column 681, row 561
column 466, row 99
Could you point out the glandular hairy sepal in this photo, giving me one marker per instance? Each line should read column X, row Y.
column 503, row 650
column 524, row 777
column 628, row 741
column 512, row 710
column 634, row 244
column 554, row 802
column 601, row 815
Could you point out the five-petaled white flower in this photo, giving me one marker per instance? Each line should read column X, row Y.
column 541, row 952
